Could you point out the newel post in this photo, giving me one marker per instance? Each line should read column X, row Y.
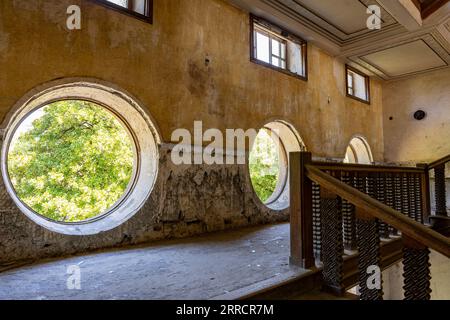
column 301, row 211
column 440, row 221
column 425, row 193
column 440, row 192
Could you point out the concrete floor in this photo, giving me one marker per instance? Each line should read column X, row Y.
column 199, row 268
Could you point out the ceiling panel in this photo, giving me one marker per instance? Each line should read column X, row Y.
column 339, row 26
column 348, row 15
column 405, row 59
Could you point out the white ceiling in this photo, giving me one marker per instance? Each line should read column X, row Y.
column 404, row 59
column 403, row 46
column 347, row 15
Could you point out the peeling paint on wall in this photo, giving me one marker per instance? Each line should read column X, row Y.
column 409, row 140
column 163, row 65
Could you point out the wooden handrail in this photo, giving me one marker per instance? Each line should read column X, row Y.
column 407, row 226
column 366, row 168
column 439, row 162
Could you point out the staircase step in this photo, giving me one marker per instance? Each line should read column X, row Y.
column 317, row 295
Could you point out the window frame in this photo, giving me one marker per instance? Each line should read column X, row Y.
column 278, row 33
column 147, row 17
column 129, row 111
column 136, row 161
column 282, row 179
column 367, row 84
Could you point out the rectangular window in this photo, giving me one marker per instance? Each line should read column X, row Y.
column 358, row 85
column 275, row 48
column 141, row 9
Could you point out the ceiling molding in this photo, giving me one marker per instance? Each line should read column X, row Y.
column 405, row 12
column 345, row 37
column 428, row 39
column 299, row 12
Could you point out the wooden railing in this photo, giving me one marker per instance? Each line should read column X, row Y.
column 338, row 207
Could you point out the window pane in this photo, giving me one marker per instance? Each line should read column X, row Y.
column 275, row 47
column 350, row 80
column 295, row 58
column 265, row 164
column 139, row 6
column 283, row 51
column 350, row 83
column 122, row 3
column 71, row 161
column 262, row 47
column 276, row 62
column 357, row 85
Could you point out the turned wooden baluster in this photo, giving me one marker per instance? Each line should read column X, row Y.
column 348, row 215
column 405, row 195
column 332, row 241
column 418, row 199
column 416, row 270
column 413, row 213
column 390, row 195
column 440, row 191
column 317, row 223
column 397, row 193
column 381, row 196
column 368, row 242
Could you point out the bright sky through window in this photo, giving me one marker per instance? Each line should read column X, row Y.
column 278, row 49
column 122, row 3
column 357, row 85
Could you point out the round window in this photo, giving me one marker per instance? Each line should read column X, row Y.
column 71, row 161
column 267, row 166
column 269, row 163
column 79, row 158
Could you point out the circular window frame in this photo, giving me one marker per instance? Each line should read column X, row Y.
column 136, row 161
column 283, row 174
column 144, row 137
column 290, row 141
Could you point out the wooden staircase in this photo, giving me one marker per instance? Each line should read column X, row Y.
column 347, row 219
column 310, row 286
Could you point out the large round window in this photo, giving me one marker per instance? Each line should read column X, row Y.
column 71, row 161
column 269, row 163
column 79, row 158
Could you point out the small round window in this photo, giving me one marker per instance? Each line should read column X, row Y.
column 269, row 163
column 71, row 161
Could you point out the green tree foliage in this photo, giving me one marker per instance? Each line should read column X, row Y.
column 264, row 165
column 73, row 162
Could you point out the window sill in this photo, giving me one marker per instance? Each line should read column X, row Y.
column 358, row 99
column 286, row 72
column 128, row 12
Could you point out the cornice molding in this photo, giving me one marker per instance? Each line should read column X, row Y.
column 296, row 17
